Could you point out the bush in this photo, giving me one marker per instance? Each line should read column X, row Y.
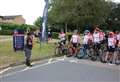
column 55, row 35
column 6, row 32
column 10, row 26
column 69, row 35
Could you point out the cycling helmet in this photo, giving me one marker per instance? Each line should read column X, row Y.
column 75, row 31
column 86, row 31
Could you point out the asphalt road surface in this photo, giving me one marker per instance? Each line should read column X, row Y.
column 63, row 70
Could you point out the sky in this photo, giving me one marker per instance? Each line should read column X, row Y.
column 30, row 9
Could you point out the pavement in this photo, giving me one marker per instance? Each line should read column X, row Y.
column 62, row 69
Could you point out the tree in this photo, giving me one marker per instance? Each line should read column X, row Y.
column 38, row 22
column 113, row 19
column 78, row 13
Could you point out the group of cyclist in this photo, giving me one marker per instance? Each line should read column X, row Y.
column 96, row 40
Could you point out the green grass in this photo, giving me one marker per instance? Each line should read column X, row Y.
column 8, row 56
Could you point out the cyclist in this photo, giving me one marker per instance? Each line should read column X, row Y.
column 62, row 41
column 75, row 40
column 87, row 41
column 96, row 40
column 110, row 47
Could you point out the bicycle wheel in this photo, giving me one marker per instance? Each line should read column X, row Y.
column 103, row 56
column 93, row 55
column 65, row 51
column 57, row 51
column 81, row 53
column 116, row 59
column 70, row 52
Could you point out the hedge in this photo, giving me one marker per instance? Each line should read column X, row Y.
column 56, row 34
column 6, row 32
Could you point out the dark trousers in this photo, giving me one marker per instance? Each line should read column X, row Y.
column 27, row 56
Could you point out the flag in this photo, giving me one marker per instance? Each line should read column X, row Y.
column 44, row 22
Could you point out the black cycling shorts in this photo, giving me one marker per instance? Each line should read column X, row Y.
column 110, row 49
column 74, row 45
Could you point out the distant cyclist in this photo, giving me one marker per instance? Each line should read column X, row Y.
column 62, row 38
column 49, row 34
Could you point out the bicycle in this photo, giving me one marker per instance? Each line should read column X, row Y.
column 60, row 49
column 86, row 51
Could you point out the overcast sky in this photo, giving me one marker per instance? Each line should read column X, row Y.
column 30, row 9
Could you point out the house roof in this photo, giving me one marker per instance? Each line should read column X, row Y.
column 9, row 17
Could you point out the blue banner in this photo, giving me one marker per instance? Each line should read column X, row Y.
column 44, row 21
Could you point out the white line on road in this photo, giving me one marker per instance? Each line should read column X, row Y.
column 43, row 65
column 62, row 59
column 50, row 60
column 26, row 69
column 73, row 61
column 30, row 68
column 1, row 72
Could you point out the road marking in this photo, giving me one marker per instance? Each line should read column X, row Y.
column 43, row 65
column 50, row 60
column 1, row 72
column 30, row 68
column 62, row 59
column 74, row 61
column 26, row 69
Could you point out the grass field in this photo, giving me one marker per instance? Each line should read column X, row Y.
column 8, row 56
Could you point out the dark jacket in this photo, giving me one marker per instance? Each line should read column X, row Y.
column 29, row 43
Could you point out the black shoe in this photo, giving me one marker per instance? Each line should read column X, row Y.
column 30, row 65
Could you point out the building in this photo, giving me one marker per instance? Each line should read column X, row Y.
column 16, row 19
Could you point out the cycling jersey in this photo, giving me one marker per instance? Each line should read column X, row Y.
column 96, row 37
column 87, row 38
column 75, row 39
column 118, row 37
column 111, row 42
column 62, row 36
column 102, row 35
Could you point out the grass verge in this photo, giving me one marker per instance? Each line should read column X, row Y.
column 8, row 56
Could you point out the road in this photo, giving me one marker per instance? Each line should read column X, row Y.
column 63, row 70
